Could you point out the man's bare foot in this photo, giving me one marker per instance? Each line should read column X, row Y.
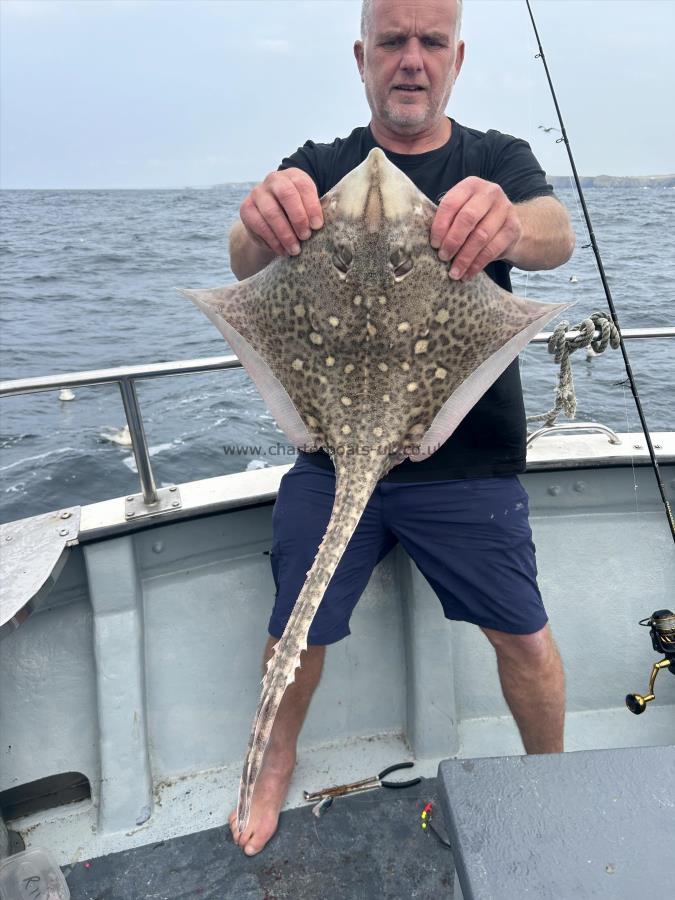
column 268, row 797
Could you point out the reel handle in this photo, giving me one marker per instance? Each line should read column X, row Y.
column 637, row 703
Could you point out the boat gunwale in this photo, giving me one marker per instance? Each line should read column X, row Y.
column 233, row 491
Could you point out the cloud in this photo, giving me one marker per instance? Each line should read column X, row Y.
column 42, row 8
column 31, row 8
column 276, row 45
column 206, row 161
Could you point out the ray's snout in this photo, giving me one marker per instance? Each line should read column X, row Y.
column 376, row 192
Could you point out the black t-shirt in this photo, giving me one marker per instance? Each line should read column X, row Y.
column 490, row 440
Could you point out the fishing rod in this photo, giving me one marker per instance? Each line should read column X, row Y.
column 603, row 278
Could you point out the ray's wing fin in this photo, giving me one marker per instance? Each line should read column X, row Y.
column 531, row 316
column 225, row 307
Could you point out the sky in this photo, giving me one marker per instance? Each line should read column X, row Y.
column 167, row 93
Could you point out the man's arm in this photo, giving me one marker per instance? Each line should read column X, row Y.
column 278, row 213
column 476, row 223
column 247, row 257
column 546, row 239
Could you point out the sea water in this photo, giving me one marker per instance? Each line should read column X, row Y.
column 87, row 281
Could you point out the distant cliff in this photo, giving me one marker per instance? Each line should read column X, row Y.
column 610, row 181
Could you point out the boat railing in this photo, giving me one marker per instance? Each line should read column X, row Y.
column 152, row 499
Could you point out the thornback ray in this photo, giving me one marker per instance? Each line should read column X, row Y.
column 362, row 345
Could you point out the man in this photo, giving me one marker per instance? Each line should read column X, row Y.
column 495, row 210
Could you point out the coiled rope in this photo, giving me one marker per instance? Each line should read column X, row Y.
column 562, row 347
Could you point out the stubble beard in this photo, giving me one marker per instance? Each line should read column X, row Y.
column 396, row 115
column 404, row 119
column 414, row 119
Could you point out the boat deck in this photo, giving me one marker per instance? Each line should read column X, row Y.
column 141, row 663
column 367, row 845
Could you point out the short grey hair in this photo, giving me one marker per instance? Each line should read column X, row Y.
column 366, row 7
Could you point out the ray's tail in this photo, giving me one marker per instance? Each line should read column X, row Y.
column 354, row 486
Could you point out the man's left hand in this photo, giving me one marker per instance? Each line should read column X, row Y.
column 475, row 224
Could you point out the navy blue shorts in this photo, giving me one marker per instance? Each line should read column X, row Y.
column 470, row 538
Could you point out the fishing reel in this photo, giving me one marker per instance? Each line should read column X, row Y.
column 662, row 631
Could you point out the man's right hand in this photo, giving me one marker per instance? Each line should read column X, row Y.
column 281, row 211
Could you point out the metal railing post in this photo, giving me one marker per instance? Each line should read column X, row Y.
column 138, row 441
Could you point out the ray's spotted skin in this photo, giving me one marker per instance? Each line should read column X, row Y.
column 362, row 345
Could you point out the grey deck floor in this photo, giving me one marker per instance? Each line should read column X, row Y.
column 365, row 846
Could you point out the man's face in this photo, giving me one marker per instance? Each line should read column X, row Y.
column 409, row 61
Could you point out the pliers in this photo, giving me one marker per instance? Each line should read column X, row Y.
column 366, row 785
